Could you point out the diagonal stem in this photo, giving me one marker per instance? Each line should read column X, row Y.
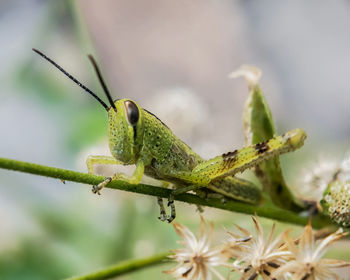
column 124, row 267
column 267, row 210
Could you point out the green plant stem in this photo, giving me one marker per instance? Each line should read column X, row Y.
column 124, row 267
column 267, row 210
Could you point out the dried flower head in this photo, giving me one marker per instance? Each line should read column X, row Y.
column 307, row 263
column 236, row 244
column 257, row 256
column 197, row 259
column 336, row 199
column 251, row 73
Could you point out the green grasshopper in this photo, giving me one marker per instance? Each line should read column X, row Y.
column 137, row 137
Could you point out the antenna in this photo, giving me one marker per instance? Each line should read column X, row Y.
column 73, row 79
column 102, row 82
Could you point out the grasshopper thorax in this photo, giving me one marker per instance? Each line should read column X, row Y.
column 125, row 127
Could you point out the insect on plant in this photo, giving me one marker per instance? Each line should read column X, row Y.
column 137, row 137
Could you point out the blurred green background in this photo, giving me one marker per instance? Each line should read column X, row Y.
column 173, row 58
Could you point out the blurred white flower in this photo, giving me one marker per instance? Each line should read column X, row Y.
column 325, row 171
column 317, row 178
column 181, row 109
column 256, row 256
column 307, row 263
column 197, row 259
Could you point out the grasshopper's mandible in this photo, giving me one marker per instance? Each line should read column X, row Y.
column 138, row 137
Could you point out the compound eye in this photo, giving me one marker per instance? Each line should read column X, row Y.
column 132, row 112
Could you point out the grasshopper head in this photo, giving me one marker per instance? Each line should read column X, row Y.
column 124, row 118
column 125, row 127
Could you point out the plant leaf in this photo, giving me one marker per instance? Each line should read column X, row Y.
column 258, row 127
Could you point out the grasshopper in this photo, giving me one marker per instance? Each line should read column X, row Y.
column 137, row 137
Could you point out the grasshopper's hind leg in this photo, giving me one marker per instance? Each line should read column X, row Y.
column 237, row 189
column 248, row 157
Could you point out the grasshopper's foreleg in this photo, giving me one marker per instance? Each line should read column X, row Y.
column 133, row 179
column 91, row 161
